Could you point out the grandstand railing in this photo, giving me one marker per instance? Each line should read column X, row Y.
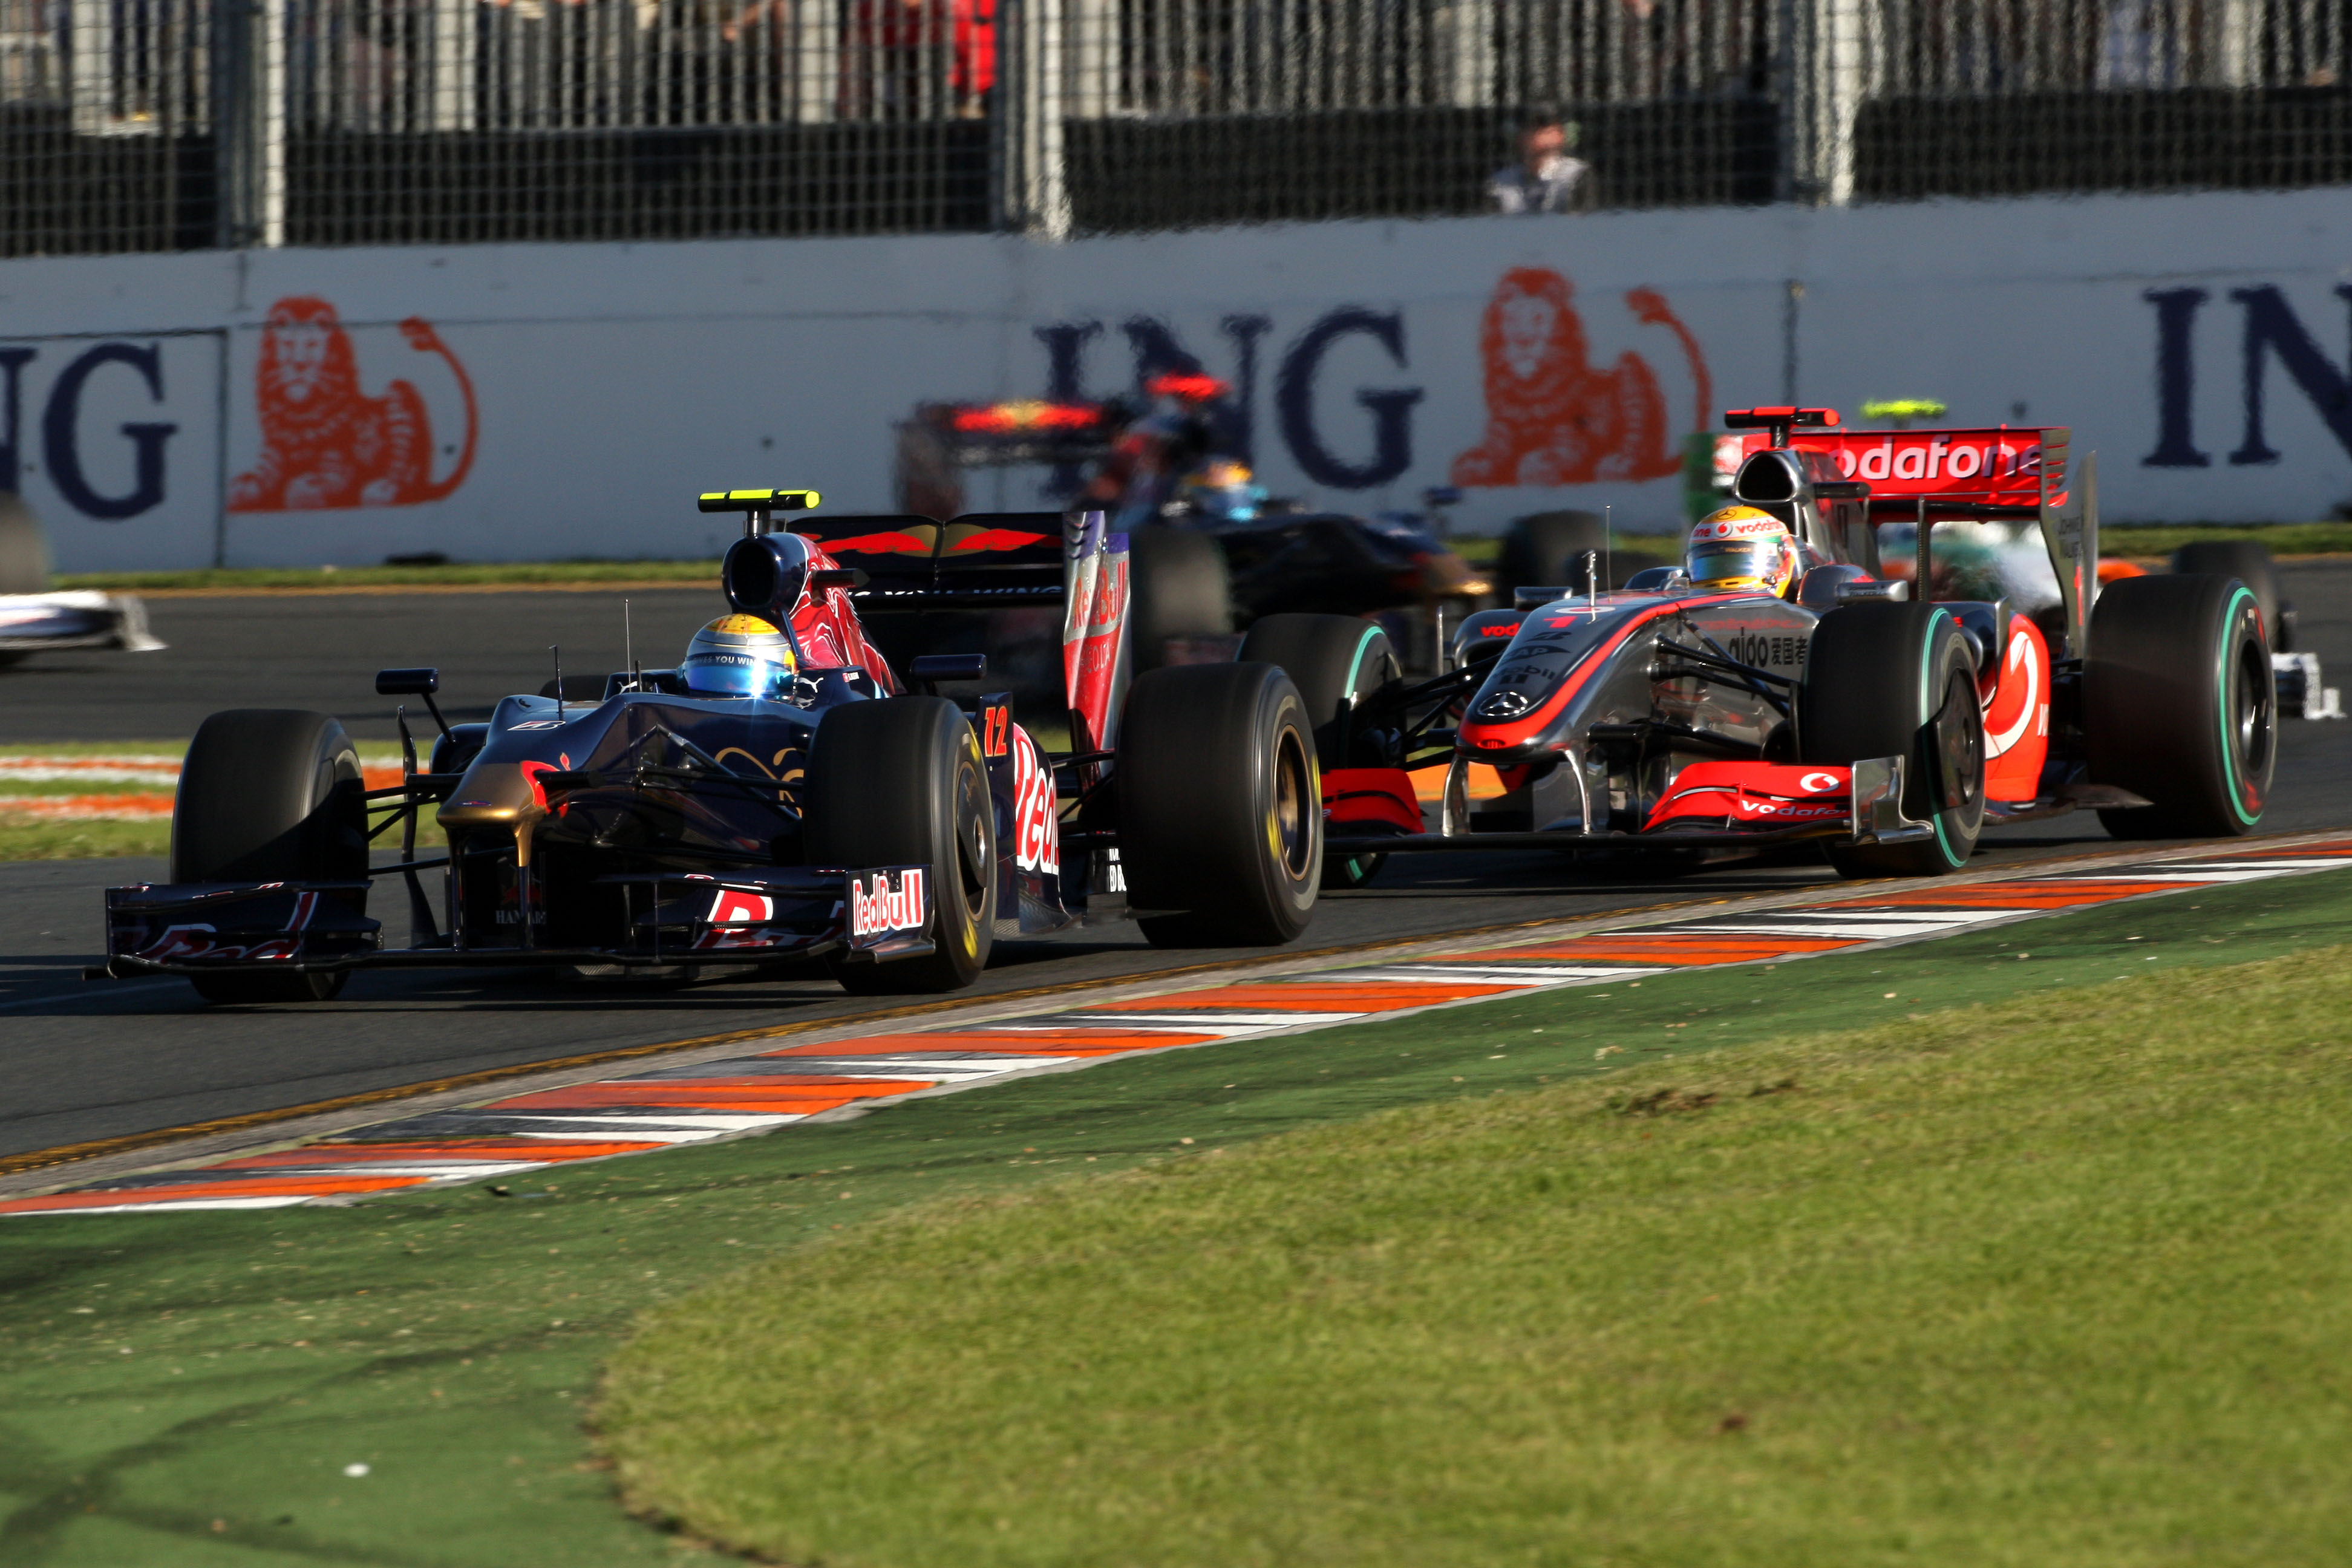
column 175, row 124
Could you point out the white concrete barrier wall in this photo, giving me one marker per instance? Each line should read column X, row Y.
column 305, row 408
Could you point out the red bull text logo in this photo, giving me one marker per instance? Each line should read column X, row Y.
column 885, row 907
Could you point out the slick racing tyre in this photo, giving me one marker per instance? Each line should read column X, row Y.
column 2250, row 563
column 2179, row 706
column 1180, row 588
column 269, row 794
column 1899, row 680
column 1220, row 806
column 1548, row 549
column 900, row 782
column 1336, row 661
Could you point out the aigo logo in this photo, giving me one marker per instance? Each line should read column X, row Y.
column 891, row 904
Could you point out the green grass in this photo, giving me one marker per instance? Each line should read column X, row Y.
column 2063, row 1280
column 685, row 574
column 30, row 838
column 2284, row 539
column 2131, row 538
column 420, row 1335
column 40, row 838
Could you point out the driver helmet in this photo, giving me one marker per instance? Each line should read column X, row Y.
column 1741, row 548
column 739, row 655
column 1224, row 489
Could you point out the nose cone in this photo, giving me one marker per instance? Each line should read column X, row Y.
column 493, row 794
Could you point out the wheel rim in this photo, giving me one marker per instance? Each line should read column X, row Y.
column 1291, row 826
column 972, row 856
column 2254, row 694
column 1959, row 744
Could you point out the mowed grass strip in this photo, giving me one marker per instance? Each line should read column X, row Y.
column 30, row 830
column 450, row 575
column 2065, row 1279
column 188, row 1388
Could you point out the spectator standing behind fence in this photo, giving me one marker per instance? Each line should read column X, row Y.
column 919, row 59
column 1546, row 179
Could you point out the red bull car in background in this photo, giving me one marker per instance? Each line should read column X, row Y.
column 783, row 795
column 1211, row 551
column 1889, row 727
column 34, row 619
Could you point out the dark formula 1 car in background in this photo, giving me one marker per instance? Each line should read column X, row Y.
column 1667, row 719
column 1212, row 554
column 35, row 618
column 783, row 795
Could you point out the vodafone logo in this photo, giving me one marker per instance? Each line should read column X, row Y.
column 883, row 907
column 1815, row 784
column 1736, row 528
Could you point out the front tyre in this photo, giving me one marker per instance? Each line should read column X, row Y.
column 269, row 794
column 1336, row 661
column 1899, row 680
column 1220, row 806
column 2179, row 706
column 899, row 782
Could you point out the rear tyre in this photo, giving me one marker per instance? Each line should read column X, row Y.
column 269, row 794
column 900, row 782
column 1899, row 680
column 2250, row 563
column 1220, row 806
column 2180, row 705
column 1180, row 588
column 1547, row 549
column 1336, row 661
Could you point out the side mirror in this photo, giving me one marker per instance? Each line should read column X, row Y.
column 1841, row 489
column 1872, row 593
column 937, row 666
column 842, row 577
column 407, row 682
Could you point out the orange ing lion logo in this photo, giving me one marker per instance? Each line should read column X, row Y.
column 1551, row 418
column 326, row 445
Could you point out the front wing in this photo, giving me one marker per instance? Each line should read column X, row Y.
column 1712, row 805
column 33, row 623
column 873, row 914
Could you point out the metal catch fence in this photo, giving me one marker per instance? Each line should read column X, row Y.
column 172, row 125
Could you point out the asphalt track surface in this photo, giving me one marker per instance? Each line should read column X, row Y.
column 94, row 1061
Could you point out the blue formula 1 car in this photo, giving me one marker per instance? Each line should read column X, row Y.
column 780, row 794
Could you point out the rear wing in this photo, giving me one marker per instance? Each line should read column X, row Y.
column 981, row 560
column 1926, row 477
column 1005, row 560
column 1000, row 435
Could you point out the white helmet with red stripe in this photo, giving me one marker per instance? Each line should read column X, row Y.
column 1741, row 548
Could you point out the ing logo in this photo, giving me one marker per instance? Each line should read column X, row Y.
column 1551, row 417
column 326, row 445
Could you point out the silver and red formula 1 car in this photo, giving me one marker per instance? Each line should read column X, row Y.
column 1891, row 730
column 782, row 795
column 37, row 618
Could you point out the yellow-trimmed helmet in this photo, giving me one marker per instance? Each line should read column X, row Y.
column 739, row 655
column 1741, row 548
